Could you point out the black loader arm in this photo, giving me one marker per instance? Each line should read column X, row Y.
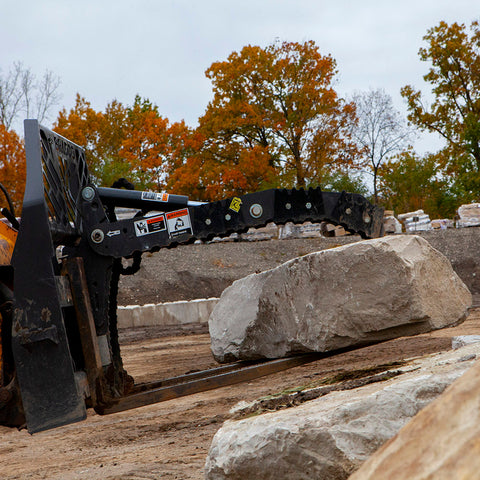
column 67, row 263
column 181, row 221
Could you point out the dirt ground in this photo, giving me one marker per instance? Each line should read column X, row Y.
column 170, row 440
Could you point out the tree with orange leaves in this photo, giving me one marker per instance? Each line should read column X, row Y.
column 134, row 142
column 202, row 173
column 152, row 145
column 275, row 112
column 100, row 134
column 12, row 166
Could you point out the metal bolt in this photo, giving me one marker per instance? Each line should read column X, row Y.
column 208, row 221
column 97, row 236
column 228, row 217
column 308, row 205
column 348, row 211
column 88, row 194
column 256, row 210
column 288, row 206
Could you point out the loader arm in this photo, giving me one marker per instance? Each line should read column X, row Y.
column 184, row 223
column 67, row 263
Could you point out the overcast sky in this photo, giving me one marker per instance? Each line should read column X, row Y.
column 160, row 49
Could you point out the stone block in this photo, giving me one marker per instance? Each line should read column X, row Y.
column 166, row 314
column 352, row 295
column 469, row 215
column 442, row 442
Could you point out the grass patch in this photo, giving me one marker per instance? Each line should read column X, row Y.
column 356, row 374
column 340, row 377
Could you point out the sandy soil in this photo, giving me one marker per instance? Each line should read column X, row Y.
column 170, row 440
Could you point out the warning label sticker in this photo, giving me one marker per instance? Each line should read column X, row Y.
column 158, row 197
column 236, row 204
column 149, row 225
column 178, row 223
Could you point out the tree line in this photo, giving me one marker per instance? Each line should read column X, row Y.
column 276, row 120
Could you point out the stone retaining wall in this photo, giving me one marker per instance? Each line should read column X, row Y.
column 166, row 314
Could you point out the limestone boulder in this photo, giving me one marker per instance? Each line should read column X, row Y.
column 352, row 295
column 442, row 442
column 330, row 437
column 469, row 215
column 462, row 340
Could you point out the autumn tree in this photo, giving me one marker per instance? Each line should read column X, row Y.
column 110, row 162
column 12, row 167
column 21, row 92
column 100, row 134
column 152, row 145
column 454, row 77
column 381, row 131
column 134, row 142
column 81, row 125
column 409, row 182
column 275, row 119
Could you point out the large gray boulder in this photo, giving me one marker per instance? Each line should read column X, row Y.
column 352, row 295
column 330, row 437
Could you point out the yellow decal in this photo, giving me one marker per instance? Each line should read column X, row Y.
column 235, row 204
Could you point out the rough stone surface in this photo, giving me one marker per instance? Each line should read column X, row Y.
column 442, row 442
column 348, row 296
column 463, row 340
column 469, row 215
column 329, row 438
column 204, row 271
column 391, row 225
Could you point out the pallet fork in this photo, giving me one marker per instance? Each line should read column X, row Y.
column 67, row 262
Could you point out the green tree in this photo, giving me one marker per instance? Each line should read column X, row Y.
column 348, row 181
column 454, row 77
column 409, row 182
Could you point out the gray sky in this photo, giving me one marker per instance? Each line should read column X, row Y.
column 114, row 49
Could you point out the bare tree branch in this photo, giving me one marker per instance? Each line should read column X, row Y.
column 381, row 131
column 21, row 93
column 11, row 95
column 47, row 94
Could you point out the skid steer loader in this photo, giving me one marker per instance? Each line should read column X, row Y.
column 59, row 270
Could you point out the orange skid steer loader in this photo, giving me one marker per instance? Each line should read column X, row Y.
column 59, row 270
